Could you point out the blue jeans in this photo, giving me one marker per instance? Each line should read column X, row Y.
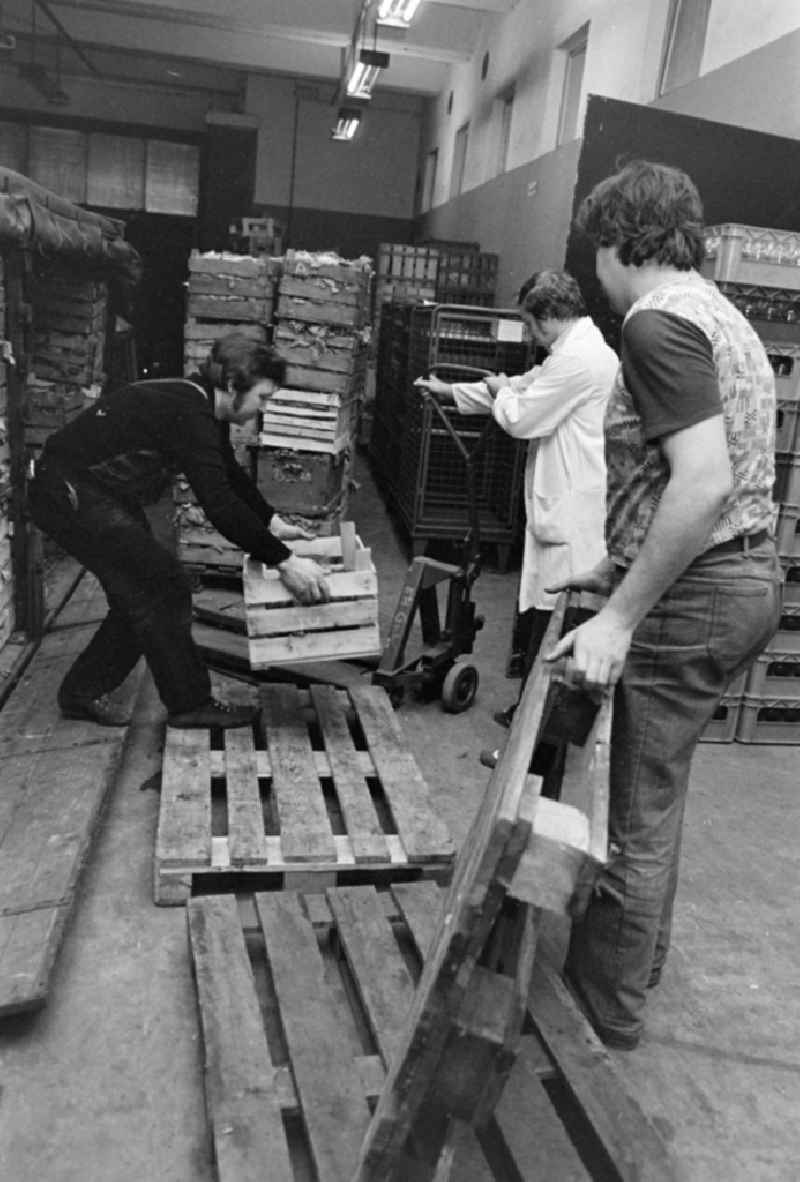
column 708, row 627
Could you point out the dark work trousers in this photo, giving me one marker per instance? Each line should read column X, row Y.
column 149, row 596
column 548, row 758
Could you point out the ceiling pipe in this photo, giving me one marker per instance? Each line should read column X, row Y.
column 74, row 46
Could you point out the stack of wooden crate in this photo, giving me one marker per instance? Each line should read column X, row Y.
column 6, row 580
column 226, row 293
column 758, row 268
column 69, row 332
column 308, row 428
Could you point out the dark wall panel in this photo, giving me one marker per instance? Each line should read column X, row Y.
column 350, row 234
column 742, row 175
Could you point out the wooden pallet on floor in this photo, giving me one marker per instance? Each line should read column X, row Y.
column 56, row 777
column 437, row 999
column 324, row 791
column 297, row 989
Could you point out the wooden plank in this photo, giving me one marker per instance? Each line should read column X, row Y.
column 420, row 830
column 305, row 443
column 323, row 290
column 305, row 829
column 381, row 978
column 241, row 1098
column 526, row 1138
column 626, row 1134
column 488, row 859
column 556, row 859
column 340, row 644
column 264, row 621
column 419, row 904
column 184, row 820
column 336, row 1117
column 323, row 379
column 28, row 945
column 361, row 821
column 246, row 837
column 46, row 839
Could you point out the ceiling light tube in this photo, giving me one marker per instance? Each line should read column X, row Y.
column 347, row 124
column 399, row 13
column 364, row 71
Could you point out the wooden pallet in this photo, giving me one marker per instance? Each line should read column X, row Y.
column 56, row 776
column 325, row 791
column 298, row 990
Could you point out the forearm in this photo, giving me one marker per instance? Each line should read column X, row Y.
column 680, row 527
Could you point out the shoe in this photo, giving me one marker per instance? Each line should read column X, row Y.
column 213, row 713
column 613, row 1037
column 489, row 758
column 504, row 717
column 101, row 710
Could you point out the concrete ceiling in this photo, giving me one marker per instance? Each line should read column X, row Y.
column 205, row 44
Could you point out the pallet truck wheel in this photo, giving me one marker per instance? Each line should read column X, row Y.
column 459, row 688
column 397, row 696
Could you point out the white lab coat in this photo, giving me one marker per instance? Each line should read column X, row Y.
column 559, row 406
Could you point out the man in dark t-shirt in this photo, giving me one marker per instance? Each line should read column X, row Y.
column 691, row 571
column 91, row 484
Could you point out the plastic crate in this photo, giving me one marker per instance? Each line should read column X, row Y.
column 775, row 675
column 784, row 357
column 752, row 254
column 724, row 721
column 786, row 490
column 771, row 309
column 787, row 412
column 791, row 582
column 401, row 261
column 787, row 638
column 771, row 720
column 787, row 538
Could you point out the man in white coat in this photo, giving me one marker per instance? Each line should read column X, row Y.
column 560, row 407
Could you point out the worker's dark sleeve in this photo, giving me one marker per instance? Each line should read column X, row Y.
column 226, row 496
column 668, row 365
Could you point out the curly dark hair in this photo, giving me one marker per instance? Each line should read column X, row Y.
column 552, row 294
column 239, row 360
column 651, row 212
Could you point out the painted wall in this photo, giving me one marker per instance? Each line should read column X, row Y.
column 758, row 91
column 736, row 27
column 374, row 174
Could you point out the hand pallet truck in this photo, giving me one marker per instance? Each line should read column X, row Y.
column 436, row 669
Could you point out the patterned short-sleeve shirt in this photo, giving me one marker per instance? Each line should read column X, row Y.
column 637, row 468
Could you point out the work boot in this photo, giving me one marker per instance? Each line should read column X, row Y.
column 213, row 713
column 504, row 717
column 101, row 710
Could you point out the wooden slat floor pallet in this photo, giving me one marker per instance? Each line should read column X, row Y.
column 322, row 791
column 56, row 776
column 303, row 998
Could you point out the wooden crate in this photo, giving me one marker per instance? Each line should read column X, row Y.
column 304, row 482
column 323, row 791
column 281, row 630
column 309, row 420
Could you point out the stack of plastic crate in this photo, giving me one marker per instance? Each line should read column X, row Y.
column 466, row 276
column 309, row 427
column 6, row 579
column 759, row 270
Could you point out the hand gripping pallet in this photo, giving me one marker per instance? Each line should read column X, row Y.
column 377, row 1097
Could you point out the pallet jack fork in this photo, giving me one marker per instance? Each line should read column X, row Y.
column 436, row 669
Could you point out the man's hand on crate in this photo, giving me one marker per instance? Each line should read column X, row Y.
column 304, row 579
column 287, row 531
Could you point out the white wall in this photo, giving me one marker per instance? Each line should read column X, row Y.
column 374, row 174
column 625, row 46
column 736, row 27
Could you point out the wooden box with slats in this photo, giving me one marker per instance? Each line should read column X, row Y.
column 282, row 631
column 322, row 790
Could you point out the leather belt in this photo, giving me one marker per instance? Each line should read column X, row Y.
column 740, row 544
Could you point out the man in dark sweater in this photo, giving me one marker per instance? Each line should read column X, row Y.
column 91, row 483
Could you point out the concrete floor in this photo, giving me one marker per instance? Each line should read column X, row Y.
column 105, row 1084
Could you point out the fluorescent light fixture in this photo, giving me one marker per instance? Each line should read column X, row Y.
column 347, row 123
column 399, row 13
column 363, row 74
